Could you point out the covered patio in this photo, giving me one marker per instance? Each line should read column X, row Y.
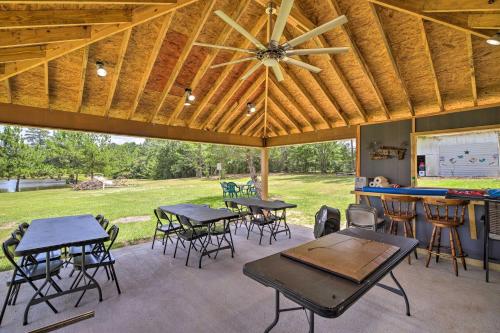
column 384, row 72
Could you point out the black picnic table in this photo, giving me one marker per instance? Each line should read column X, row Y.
column 321, row 292
column 49, row 234
column 204, row 215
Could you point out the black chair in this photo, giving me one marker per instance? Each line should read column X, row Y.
column 492, row 232
column 191, row 233
column 262, row 220
column 18, row 234
column 97, row 259
column 75, row 251
column 242, row 215
column 364, row 217
column 26, row 274
column 219, row 230
column 168, row 229
column 280, row 217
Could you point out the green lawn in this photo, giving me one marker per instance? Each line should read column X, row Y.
column 309, row 192
column 480, row 183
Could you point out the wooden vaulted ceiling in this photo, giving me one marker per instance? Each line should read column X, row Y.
column 407, row 58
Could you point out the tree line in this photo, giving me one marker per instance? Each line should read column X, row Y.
column 35, row 153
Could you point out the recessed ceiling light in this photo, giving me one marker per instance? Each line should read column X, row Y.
column 494, row 40
column 101, row 71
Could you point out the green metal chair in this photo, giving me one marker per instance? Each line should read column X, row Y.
column 233, row 190
column 251, row 191
column 224, row 189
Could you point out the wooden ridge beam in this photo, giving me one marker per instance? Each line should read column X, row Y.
column 25, row 37
column 472, row 68
column 294, row 102
column 337, row 133
column 415, row 7
column 484, row 21
column 225, row 73
column 81, row 87
column 208, row 61
column 139, row 15
column 167, row 20
column 393, row 62
column 40, row 117
column 283, row 111
column 116, row 72
column 242, row 101
column 89, row 2
column 431, row 63
column 19, row 53
column 445, row 6
column 238, row 123
column 206, row 12
column 61, row 17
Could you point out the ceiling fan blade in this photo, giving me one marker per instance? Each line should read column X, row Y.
column 222, row 47
column 279, row 26
column 317, row 31
column 237, row 61
column 251, row 70
column 240, row 29
column 277, row 72
column 326, row 50
column 302, row 64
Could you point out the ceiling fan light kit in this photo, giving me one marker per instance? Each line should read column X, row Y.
column 274, row 53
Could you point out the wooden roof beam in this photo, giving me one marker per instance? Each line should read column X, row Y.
column 8, row 90
column 445, row 6
column 281, row 130
column 236, row 113
column 393, row 62
column 24, row 37
column 167, row 20
column 46, row 82
column 431, row 63
column 61, row 17
column 415, row 7
column 13, row 54
column 139, row 15
column 253, row 122
column 81, row 88
column 225, row 73
column 242, row 101
column 484, row 21
column 117, row 70
column 283, row 111
column 206, row 12
column 338, row 133
column 274, row 118
column 89, row 2
column 470, row 55
column 239, row 123
column 207, row 62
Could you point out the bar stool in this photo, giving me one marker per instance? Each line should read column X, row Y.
column 400, row 209
column 445, row 213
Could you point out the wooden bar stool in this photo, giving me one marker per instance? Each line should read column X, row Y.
column 445, row 213
column 400, row 209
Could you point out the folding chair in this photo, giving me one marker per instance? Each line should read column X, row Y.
column 261, row 220
column 281, row 218
column 191, row 233
column 242, row 214
column 221, row 229
column 167, row 229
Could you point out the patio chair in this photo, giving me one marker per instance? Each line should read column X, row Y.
column 364, row 217
column 242, row 214
column 262, row 220
column 219, row 230
column 224, row 189
column 191, row 233
column 233, row 190
column 168, row 229
column 99, row 218
column 281, row 218
column 25, row 274
column 250, row 188
column 96, row 260
column 77, row 250
column 18, row 234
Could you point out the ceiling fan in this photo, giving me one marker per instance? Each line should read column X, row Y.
column 274, row 53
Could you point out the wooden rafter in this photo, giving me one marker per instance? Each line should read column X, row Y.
column 470, row 55
column 167, row 20
column 276, row 125
column 431, row 63
column 225, row 73
column 334, row 7
column 8, row 90
column 81, row 86
column 253, row 122
column 206, row 12
column 283, row 111
column 208, row 61
column 443, row 6
column 414, row 7
column 117, row 69
column 24, row 37
column 61, row 17
column 393, row 62
column 242, row 101
column 90, row 2
column 484, row 21
column 277, row 120
column 303, row 114
column 46, row 82
column 139, row 16
column 19, row 53
column 241, row 121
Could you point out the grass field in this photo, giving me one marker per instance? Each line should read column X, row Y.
column 139, row 199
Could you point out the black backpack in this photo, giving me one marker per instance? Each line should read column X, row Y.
column 327, row 221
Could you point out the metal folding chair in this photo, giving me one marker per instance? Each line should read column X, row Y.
column 261, row 220
column 168, row 229
column 191, row 233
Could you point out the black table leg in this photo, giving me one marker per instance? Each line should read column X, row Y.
column 311, row 321
column 277, row 313
column 402, row 293
column 90, row 277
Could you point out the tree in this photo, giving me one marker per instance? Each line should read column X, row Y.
column 16, row 156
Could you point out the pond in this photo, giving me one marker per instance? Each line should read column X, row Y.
column 31, row 184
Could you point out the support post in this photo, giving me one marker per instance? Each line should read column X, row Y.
column 264, row 172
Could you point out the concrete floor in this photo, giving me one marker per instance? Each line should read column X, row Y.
column 160, row 294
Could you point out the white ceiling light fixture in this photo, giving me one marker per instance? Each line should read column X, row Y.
column 189, row 97
column 251, row 108
column 101, row 71
column 272, row 54
column 494, row 40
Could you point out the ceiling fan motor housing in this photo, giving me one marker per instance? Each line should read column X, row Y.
column 271, row 56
